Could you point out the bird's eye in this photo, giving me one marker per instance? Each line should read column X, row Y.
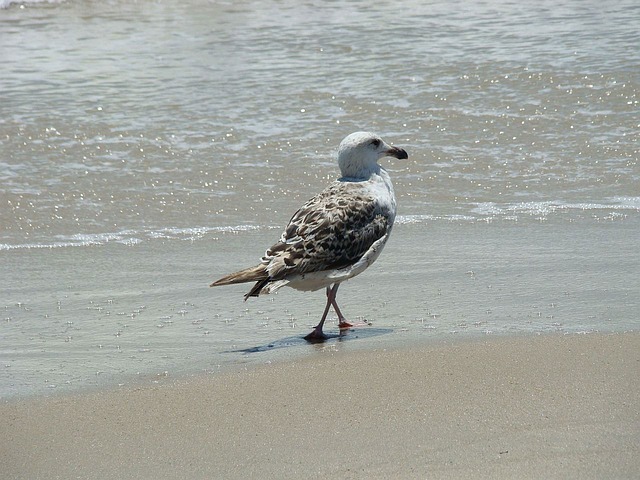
column 375, row 143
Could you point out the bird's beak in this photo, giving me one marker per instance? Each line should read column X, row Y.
column 397, row 152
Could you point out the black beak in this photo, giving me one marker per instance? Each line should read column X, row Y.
column 397, row 152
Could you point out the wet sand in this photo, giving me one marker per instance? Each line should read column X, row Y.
column 550, row 406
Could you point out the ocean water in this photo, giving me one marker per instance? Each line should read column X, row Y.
column 147, row 148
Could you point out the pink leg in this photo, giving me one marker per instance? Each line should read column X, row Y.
column 342, row 321
column 317, row 334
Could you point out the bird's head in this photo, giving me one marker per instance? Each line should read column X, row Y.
column 358, row 154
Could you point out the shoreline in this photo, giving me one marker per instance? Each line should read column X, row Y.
column 125, row 326
column 553, row 406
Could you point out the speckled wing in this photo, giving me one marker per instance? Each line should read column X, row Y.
column 331, row 231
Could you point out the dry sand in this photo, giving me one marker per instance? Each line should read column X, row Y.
column 530, row 407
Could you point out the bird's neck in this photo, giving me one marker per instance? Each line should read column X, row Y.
column 362, row 174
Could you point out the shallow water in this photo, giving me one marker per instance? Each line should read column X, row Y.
column 147, row 148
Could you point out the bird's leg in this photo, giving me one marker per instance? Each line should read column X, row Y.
column 331, row 296
column 317, row 335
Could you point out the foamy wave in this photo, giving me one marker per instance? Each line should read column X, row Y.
column 543, row 209
column 627, row 202
column 131, row 237
column 416, row 219
column 489, row 211
column 8, row 3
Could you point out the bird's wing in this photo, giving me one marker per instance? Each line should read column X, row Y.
column 332, row 230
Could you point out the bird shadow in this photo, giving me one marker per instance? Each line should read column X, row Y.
column 344, row 336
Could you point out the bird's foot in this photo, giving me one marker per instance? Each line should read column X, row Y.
column 316, row 336
column 344, row 325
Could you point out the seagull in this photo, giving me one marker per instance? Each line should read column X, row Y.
column 336, row 235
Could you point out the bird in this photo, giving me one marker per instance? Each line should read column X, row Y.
column 334, row 236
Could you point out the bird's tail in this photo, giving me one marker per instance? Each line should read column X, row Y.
column 251, row 274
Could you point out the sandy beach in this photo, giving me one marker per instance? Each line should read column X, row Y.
column 549, row 406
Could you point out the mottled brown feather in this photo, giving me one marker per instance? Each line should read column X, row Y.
column 332, row 230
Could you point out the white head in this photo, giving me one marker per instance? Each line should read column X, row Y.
column 358, row 154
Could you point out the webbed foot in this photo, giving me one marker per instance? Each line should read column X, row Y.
column 316, row 336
